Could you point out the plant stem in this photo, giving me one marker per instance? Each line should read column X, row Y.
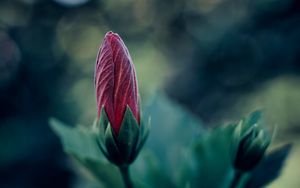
column 236, row 180
column 126, row 176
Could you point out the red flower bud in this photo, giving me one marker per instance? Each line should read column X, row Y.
column 115, row 81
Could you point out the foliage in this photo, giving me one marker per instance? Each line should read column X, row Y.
column 180, row 155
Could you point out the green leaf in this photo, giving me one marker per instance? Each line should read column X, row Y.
column 151, row 174
column 172, row 132
column 82, row 145
column 107, row 174
column 236, row 138
column 114, row 154
column 211, row 155
column 103, row 120
column 77, row 140
column 144, row 133
column 210, row 160
column 254, row 118
column 248, row 122
column 128, row 136
column 101, row 126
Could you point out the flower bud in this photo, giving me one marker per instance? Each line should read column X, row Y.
column 115, row 81
column 121, row 133
column 251, row 149
column 251, row 143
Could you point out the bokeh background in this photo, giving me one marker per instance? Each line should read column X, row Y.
column 219, row 59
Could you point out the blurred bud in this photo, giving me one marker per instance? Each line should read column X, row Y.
column 121, row 132
column 251, row 143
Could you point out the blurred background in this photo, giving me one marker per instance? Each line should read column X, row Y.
column 219, row 59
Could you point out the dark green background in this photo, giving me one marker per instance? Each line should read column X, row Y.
column 220, row 59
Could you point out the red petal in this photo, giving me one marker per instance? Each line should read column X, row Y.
column 104, row 79
column 115, row 80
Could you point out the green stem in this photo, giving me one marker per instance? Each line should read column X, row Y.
column 236, row 180
column 126, row 176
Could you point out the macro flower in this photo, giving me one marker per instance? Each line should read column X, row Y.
column 115, row 81
column 121, row 133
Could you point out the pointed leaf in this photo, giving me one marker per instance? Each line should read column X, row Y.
column 173, row 128
column 249, row 122
column 103, row 121
column 101, row 127
column 111, row 147
column 128, row 135
column 79, row 141
column 254, row 117
column 236, row 137
column 144, row 133
column 82, row 145
column 107, row 174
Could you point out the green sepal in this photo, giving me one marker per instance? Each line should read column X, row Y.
column 243, row 128
column 249, row 142
column 101, row 126
column 144, row 133
column 256, row 150
column 114, row 154
column 253, row 118
column 252, row 147
column 128, row 136
column 121, row 148
column 236, row 138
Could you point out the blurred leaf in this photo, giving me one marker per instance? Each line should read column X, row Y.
column 210, row 160
column 179, row 152
column 172, row 131
column 77, row 140
column 269, row 169
column 254, row 117
column 150, row 172
column 82, row 145
column 106, row 173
